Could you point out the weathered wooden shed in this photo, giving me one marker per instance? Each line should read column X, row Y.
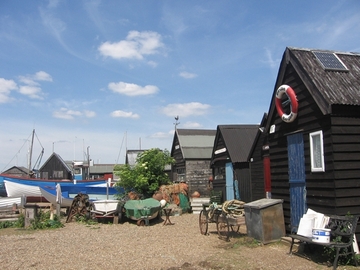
column 17, row 171
column 55, row 168
column 13, row 171
column 229, row 161
column 315, row 152
column 260, row 164
column 191, row 149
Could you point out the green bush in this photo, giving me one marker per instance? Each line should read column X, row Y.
column 43, row 221
column 148, row 174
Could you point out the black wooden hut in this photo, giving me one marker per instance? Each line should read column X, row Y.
column 229, row 161
column 191, row 149
column 315, row 152
column 55, row 168
column 260, row 164
column 19, row 171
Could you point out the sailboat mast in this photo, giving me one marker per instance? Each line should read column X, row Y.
column 31, row 149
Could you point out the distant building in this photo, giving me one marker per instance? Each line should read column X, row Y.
column 131, row 156
column 191, row 149
column 56, row 168
column 17, row 171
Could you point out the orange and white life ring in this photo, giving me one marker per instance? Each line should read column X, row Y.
column 285, row 89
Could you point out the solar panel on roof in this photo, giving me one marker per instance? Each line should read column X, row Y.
column 330, row 61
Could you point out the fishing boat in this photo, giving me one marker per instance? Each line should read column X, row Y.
column 142, row 210
column 30, row 188
column 55, row 170
column 37, row 192
column 106, row 207
column 14, row 189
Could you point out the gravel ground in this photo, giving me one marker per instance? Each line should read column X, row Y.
column 128, row 246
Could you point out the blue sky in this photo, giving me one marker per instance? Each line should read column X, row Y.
column 85, row 73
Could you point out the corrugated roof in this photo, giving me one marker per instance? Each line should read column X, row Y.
column 102, row 168
column 238, row 140
column 196, row 143
column 197, row 152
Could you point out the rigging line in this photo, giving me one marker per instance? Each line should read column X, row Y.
column 39, row 140
column 17, row 152
column 117, row 161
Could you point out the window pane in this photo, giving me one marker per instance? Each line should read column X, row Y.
column 317, row 151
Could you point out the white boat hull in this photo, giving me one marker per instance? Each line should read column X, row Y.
column 65, row 202
column 6, row 203
column 105, row 207
column 17, row 190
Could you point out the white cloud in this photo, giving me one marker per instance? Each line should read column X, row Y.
column 187, row 75
column 31, row 87
column 192, row 125
column 89, row 114
column 162, row 135
column 65, row 113
column 42, row 76
column 131, row 89
column 186, row 109
column 270, row 60
column 27, row 80
column 152, row 64
column 38, row 76
column 124, row 114
column 31, row 91
column 6, row 86
column 135, row 46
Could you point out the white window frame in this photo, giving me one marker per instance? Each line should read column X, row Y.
column 317, row 152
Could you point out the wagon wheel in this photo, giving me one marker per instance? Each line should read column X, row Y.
column 235, row 228
column 120, row 216
column 222, row 226
column 140, row 222
column 203, row 222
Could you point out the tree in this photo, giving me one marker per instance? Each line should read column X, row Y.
column 148, row 174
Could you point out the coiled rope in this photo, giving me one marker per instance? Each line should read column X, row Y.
column 234, row 208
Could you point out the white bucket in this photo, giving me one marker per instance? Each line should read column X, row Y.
column 321, row 235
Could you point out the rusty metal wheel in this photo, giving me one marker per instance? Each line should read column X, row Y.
column 203, row 222
column 222, row 226
column 140, row 222
column 235, row 228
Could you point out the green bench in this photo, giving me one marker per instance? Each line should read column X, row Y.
column 341, row 237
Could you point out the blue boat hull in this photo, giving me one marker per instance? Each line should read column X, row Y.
column 69, row 187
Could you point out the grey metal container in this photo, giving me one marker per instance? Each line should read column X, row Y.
column 265, row 220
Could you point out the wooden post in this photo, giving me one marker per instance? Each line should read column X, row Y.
column 51, row 212
column 58, row 210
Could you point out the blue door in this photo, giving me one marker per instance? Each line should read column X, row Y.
column 297, row 183
column 229, row 181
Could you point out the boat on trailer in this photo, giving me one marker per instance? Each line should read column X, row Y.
column 106, row 207
column 142, row 210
